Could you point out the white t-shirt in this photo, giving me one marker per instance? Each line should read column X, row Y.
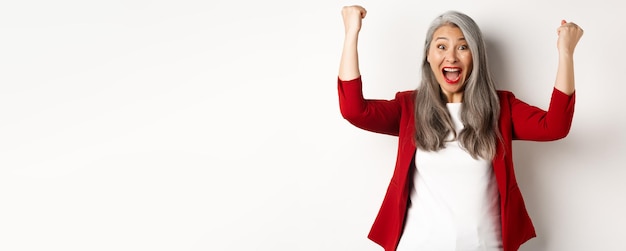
column 454, row 201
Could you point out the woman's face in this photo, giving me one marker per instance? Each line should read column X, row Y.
column 450, row 59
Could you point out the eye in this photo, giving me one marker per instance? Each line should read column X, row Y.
column 441, row 46
column 463, row 47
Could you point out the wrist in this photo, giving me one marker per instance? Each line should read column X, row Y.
column 351, row 38
column 564, row 54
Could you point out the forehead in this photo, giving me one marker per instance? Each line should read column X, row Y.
column 449, row 32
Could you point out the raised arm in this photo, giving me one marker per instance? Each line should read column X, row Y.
column 569, row 34
column 533, row 123
column 349, row 65
column 381, row 116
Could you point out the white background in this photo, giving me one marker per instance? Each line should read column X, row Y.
column 214, row 125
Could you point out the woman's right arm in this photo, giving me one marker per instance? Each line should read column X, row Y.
column 349, row 65
column 381, row 116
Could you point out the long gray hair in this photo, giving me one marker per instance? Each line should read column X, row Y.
column 481, row 108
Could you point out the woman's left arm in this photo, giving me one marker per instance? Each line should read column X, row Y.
column 532, row 123
column 569, row 34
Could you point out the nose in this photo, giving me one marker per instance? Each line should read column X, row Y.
column 451, row 56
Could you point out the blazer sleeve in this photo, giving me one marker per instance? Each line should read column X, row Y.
column 380, row 116
column 532, row 123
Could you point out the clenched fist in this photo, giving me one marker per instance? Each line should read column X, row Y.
column 352, row 16
column 569, row 34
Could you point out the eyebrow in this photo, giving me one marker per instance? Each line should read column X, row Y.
column 445, row 38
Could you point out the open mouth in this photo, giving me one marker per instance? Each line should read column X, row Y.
column 452, row 75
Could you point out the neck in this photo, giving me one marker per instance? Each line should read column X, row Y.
column 454, row 97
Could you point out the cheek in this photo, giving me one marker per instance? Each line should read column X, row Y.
column 433, row 66
column 432, row 57
column 470, row 66
column 433, row 54
column 467, row 57
column 467, row 61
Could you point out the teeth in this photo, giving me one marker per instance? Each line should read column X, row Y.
column 451, row 69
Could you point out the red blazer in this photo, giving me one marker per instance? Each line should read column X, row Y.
column 518, row 120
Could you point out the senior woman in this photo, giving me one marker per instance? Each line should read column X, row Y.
column 454, row 187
